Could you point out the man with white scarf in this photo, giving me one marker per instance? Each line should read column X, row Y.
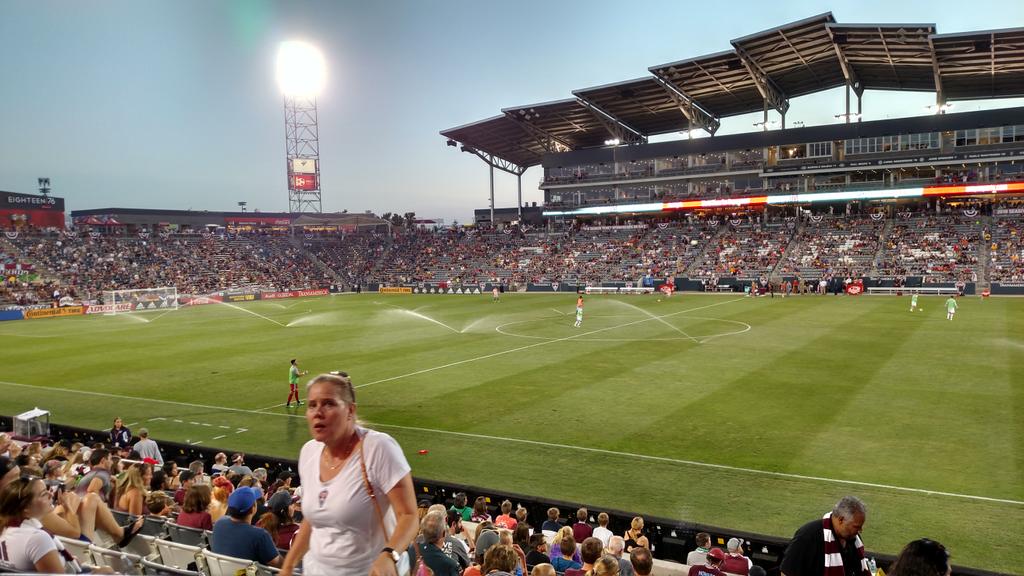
column 831, row 545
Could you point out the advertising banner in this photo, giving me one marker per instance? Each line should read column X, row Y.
column 11, row 315
column 304, row 182
column 31, row 202
column 239, row 297
column 55, row 312
column 395, row 290
column 108, row 308
column 198, row 300
column 294, row 294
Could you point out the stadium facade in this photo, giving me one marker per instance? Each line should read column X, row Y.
column 597, row 159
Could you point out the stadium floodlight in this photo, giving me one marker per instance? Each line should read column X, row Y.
column 301, row 69
column 766, row 125
column 938, row 108
column 611, row 142
column 850, row 116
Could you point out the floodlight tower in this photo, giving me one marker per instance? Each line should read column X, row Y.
column 301, row 73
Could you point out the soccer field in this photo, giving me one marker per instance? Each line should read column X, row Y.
column 755, row 414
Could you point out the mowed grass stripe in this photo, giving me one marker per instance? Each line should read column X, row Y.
column 171, row 362
column 938, row 421
column 787, row 392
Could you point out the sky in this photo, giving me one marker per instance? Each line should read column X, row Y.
column 174, row 104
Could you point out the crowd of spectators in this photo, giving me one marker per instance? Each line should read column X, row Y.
column 839, row 246
column 86, row 266
column 946, row 247
column 939, row 248
column 745, row 251
column 1006, row 251
column 106, row 494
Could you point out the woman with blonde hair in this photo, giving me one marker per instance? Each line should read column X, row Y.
column 131, row 489
column 358, row 500
column 563, row 533
column 564, row 554
column 634, row 537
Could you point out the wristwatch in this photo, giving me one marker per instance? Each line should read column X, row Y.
column 395, row 556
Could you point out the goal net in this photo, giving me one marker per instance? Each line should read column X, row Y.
column 141, row 300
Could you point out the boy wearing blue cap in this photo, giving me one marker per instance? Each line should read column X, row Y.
column 234, row 535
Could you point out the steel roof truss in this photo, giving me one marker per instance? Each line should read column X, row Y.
column 852, row 80
column 625, row 133
column 696, row 115
column 771, row 93
column 549, row 142
column 495, row 161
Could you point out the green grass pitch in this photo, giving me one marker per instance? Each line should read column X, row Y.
column 755, row 414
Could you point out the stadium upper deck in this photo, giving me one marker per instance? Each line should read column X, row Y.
column 591, row 142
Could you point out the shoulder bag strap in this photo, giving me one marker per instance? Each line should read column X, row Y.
column 380, row 514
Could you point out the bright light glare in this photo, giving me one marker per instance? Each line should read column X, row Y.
column 301, row 70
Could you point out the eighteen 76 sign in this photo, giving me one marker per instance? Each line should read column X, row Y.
column 303, row 182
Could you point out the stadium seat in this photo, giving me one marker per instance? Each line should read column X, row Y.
column 221, row 565
column 154, row 526
column 121, row 562
column 264, row 570
column 78, row 549
column 151, row 568
column 178, row 555
column 185, row 535
column 142, row 545
column 122, row 518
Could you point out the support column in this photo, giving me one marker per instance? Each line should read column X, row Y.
column 492, row 196
column 848, row 103
column 519, row 196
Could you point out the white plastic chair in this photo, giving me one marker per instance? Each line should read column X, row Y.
column 78, row 549
column 177, row 555
column 121, row 562
column 221, row 565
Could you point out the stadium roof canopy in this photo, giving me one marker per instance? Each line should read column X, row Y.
column 762, row 71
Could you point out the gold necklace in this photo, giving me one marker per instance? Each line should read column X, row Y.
column 343, row 460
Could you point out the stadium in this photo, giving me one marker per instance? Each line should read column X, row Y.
column 721, row 334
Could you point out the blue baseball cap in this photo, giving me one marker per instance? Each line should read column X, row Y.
column 243, row 499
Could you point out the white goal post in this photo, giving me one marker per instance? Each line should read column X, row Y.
column 140, row 300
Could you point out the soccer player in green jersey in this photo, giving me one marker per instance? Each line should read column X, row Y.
column 950, row 307
column 913, row 302
column 293, row 383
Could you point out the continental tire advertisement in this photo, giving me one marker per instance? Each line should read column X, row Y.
column 395, row 290
column 54, row 312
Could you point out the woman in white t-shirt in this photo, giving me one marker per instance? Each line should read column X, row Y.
column 24, row 545
column 341, row 531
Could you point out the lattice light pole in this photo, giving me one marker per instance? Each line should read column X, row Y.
column 301, row 74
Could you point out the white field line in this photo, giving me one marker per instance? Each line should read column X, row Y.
column 559, row 311
column 701, row 464
column 528, row 346
column 161, row 315
column 539, row 443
